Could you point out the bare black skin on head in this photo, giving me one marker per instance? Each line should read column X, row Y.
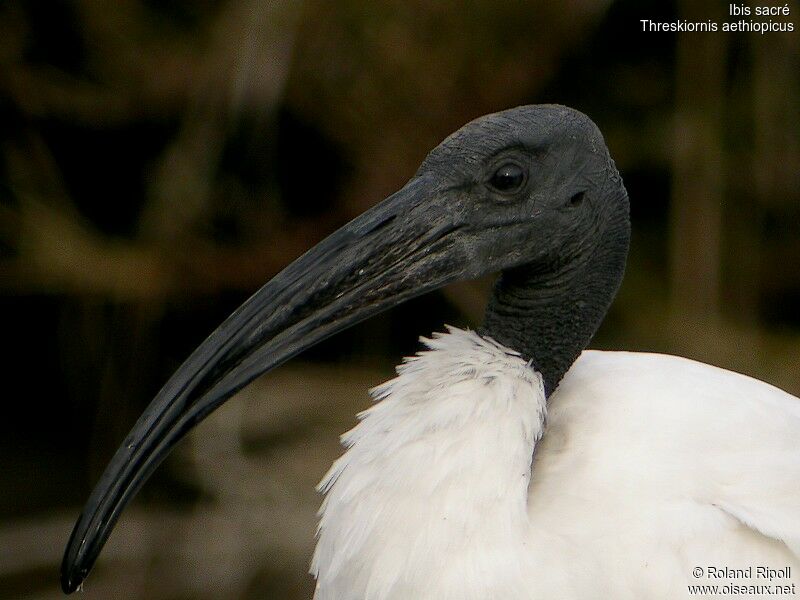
column 530, row 192
column 549, row 308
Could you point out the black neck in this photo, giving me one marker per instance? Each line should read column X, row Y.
column 550, row 315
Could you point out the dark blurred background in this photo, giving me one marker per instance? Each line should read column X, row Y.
column 160, row 160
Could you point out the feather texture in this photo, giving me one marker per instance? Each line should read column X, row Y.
column 651, row 466
column 434, row 483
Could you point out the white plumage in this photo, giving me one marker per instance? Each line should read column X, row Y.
column 649, row 466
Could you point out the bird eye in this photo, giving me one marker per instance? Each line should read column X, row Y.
column 508, row 178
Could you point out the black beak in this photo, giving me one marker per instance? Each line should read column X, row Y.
column 409, row 244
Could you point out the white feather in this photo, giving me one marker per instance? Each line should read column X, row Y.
column 651, row 466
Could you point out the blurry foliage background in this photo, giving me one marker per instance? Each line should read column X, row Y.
column 160, row 160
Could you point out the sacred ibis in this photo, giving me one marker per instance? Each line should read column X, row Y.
column 504, row 463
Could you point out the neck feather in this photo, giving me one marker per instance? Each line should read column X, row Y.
column 430, row 499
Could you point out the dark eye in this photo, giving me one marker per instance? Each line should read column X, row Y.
column 508, row 178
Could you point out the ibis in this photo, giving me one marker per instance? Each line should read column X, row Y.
column 506, row 462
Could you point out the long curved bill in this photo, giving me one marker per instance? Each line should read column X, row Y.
column 389, row 254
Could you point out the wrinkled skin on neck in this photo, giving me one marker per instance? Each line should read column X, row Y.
column 549, row 313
